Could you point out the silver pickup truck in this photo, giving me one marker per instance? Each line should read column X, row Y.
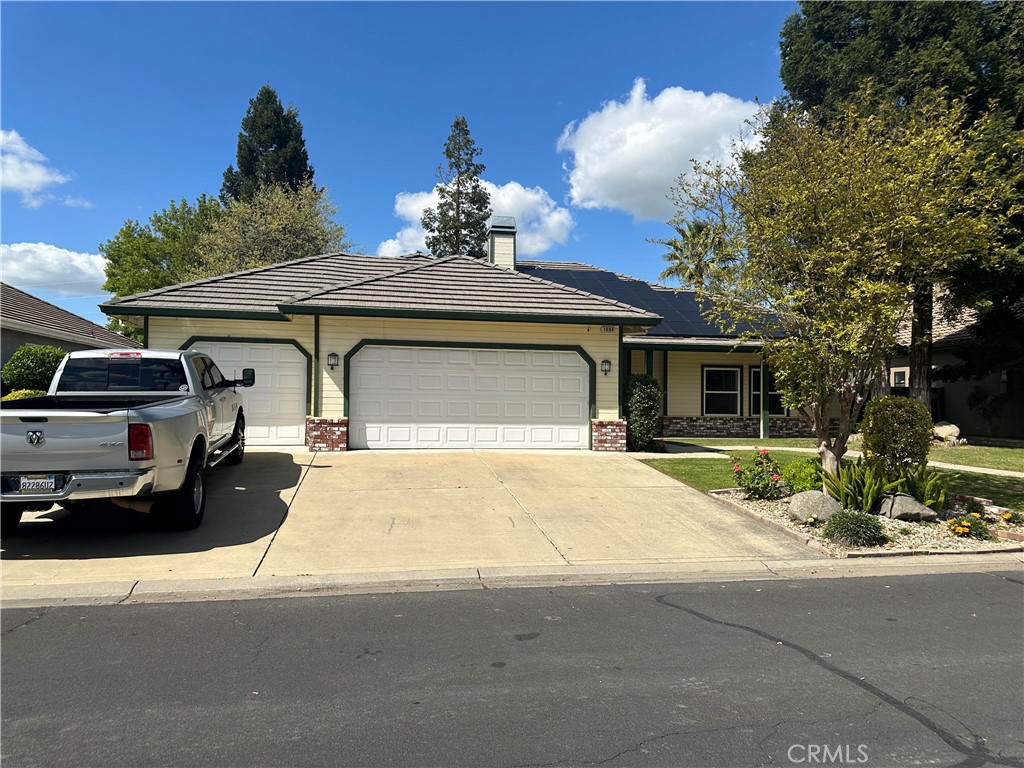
column 137, row 427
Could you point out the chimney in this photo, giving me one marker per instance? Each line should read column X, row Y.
column 501, row 242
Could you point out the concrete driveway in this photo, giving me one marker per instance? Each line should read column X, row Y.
column 286, row 512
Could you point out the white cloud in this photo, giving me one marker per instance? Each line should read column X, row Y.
column 540, row 222
column 628, row 155
column 24, row 169
column 45, row 266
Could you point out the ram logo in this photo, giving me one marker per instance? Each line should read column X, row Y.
column 35, row 437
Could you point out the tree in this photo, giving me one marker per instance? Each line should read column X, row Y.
column 272, row 226
column 459, row 223
column 820, row 235
column 688, row 253
column 162, row 252
column 271, row 150
column 972, row 52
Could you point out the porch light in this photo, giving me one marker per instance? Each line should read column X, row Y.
column 332, row 360
column 606, row 367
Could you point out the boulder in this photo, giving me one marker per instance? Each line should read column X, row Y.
column 812, row 504
column 902, row 506
column 946, row 432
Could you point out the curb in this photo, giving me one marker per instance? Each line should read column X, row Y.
column 817, row 546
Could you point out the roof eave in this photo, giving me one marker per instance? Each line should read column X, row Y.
column 221, row 314
column 431, row 314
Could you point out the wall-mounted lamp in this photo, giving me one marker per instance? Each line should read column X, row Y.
column 606, row 367
column 332, row 360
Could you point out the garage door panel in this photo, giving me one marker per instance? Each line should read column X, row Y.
column 275, row 407
column 461, row 398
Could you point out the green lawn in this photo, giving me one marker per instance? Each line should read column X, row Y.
column 961, row 455
column 708, row 474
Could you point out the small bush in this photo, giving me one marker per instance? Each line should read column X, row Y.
column 858, row 487
column 1013, row 518
column 854, row 529
column 643, row 396
column 973, row 506
column 928, row 486
column 21, row 394
column 897, row 433
column 804, row 475
column 32, row 367
column 971, row 526
column 761, row 479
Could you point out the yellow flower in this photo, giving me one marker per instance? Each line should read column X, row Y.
column 975, row 514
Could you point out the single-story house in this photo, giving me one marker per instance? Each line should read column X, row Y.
column 27, row 319
column 355, row 351
column 951, row 400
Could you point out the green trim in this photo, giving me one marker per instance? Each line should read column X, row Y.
column 253, row 340
column 302, row 309
column 764, row 399
column 693, row 347
column 145, row 332
column 765, row 375
column 591, row 365
column 223, row 314
column 664, row 382
column 317, row 368
column 739, row 378
column 624, row 367
column 649, row 362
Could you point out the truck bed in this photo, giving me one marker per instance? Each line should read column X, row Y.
column 98, row 403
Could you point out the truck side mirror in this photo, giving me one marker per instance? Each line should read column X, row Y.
column 248, row 377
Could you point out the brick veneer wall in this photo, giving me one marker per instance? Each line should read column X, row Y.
column 609, row 435
column 326, row 434
column 734, row 426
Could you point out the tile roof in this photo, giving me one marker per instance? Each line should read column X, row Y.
column 464, row 286
column 32, row 314
column 260, row 290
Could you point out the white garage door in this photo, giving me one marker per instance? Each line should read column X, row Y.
column 275, row 408
column 427, row 397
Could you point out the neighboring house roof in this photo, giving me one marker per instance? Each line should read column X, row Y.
column 415, row 285
column 21, row 311
column 946, row 331
column 467, row 288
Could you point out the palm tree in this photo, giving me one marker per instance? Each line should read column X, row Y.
column 689, row 254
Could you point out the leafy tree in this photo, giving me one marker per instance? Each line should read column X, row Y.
column 272, row 226
column 820, row 234
column 271, row 150
column 459, row 223
column 971, row 51
column 162, row 252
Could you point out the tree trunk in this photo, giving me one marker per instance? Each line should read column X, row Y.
column 921, row 346
column 829, row 461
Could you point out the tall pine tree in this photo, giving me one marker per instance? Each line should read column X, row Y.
column 271, row 150
column 459, row 223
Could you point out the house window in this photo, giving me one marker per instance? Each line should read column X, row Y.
column 775, row 406
column 721, row 391
column 899, row 378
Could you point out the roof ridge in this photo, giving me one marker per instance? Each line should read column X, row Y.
column 362, row 280
column 250, row 271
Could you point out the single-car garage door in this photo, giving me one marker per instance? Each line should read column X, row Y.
column 275, row 408
column 438, row 397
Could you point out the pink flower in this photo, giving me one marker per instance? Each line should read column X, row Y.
column 775, row 478
column 735, row 467
column 762, row 452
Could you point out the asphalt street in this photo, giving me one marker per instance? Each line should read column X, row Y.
column 887, row 671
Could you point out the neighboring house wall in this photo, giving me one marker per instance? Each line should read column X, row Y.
column 11, row 340
column 954, row 396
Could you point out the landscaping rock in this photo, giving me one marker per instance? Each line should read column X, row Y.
column 946, row 432
column 902, row 506
column 814, row 504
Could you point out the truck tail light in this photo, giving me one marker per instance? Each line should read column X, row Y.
column 140, row 442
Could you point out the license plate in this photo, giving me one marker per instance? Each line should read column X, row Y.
column 38, row 483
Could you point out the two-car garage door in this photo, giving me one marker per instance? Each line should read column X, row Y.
column 438, row 397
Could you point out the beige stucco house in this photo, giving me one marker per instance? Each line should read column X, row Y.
column 355, row 351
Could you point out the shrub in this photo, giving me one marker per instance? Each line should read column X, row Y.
column 859, row 486
column 1013, row 518
column 803, row 475
column 21, row 394
column 974, row 506
column 928, row 486
column 32, row 367
column 761, row 480
column 897, row 433
column 643, row 398
column 970, row 526
column 854, row 529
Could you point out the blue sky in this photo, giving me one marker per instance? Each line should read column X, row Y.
column 585, row 113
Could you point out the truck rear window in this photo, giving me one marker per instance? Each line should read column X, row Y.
column 99, row 374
